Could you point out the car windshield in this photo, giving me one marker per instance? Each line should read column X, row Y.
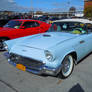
column 70, row 27
column 13, row 24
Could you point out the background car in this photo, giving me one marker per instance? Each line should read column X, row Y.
column 20, row 28
column 54, row 52
column 3, row 22
column 52, row 19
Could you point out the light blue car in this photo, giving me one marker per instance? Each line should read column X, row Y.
column 54, row 52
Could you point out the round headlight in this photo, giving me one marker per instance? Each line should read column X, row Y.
column 49, row 56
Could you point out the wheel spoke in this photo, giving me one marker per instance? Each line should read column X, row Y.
column 67, row 66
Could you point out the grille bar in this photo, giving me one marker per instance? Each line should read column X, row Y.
column 25, row 61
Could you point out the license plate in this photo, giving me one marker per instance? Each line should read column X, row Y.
column 21, row 67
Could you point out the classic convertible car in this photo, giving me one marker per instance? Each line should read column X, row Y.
column 54, row 52
column 20, row 28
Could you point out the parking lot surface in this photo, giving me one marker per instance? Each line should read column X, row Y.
column 14, row 80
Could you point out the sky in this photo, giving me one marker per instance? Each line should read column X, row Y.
column 11, row 5
column 43, row 5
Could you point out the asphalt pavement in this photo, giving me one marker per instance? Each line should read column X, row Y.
column 14, row 80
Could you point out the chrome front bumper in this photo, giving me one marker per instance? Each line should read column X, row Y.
column 37, row 70
column 41, row 70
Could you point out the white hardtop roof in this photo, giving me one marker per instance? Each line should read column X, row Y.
column 75, row 20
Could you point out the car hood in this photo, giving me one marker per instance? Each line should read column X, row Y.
column 6, row 29
column 46, row 40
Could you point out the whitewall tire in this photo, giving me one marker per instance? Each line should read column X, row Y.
column 67, row 66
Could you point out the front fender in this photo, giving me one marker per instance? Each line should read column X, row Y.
column 60, row 52
column 67, row 53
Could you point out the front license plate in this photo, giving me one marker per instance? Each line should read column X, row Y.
column 21, row 67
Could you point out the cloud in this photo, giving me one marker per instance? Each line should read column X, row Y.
column 10, row 0
column 58, row 4
column 10, row 5
column 64, row 6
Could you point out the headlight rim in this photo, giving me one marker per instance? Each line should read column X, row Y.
column 48, row 53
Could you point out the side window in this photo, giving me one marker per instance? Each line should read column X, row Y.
column 36, row 24
column 27, row 24
column 89, row 27
column 31, row 24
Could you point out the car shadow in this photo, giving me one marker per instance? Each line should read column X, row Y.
column 44, row 75
column 60, row 77
column 84, row 58
column 76, row 88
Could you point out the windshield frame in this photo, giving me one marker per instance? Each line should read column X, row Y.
column 69, row 23
column 13, row 24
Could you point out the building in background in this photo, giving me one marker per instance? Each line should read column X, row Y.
column 88, row 9
column 87, row 3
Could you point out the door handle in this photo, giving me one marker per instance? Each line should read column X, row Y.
column 82, row 41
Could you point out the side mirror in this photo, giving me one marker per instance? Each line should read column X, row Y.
column 22, row 27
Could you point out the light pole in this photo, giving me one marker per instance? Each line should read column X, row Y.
column 32, row 12
column 68, row 5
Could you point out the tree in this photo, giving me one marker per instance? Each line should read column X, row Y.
column 88, row 12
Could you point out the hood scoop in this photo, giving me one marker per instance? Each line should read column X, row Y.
column 46, row 35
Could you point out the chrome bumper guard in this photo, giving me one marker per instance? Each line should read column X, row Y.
column 36, row 69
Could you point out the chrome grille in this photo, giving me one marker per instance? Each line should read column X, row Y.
column 30, row 63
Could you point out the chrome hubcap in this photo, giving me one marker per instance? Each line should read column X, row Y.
column 66, row 65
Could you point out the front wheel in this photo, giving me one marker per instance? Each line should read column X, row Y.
column 67, row 66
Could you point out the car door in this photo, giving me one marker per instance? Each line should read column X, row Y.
column 44, row 27
column 84, row 44
column 31, row 27
column 81, row 46
column 89, row 36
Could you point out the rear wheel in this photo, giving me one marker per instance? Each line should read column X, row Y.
column 2, row 46
column 67, row 66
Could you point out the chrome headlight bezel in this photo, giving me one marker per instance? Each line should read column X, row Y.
column 48, row 55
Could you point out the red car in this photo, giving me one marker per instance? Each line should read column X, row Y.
column 20, row 28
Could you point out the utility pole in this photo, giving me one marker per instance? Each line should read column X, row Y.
column 68, row 4
column 32, row 12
